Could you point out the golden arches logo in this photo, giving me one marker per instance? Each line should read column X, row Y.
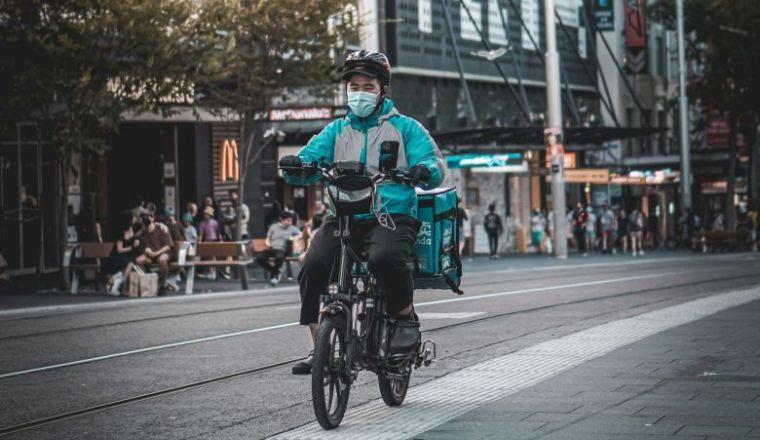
column 229, row 162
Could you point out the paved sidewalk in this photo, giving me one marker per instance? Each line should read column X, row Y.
column 697, row 381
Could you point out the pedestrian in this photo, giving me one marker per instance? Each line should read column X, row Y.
column 591, row 230
column 635, row 231
column 118, row 265
column 718, row 222
column 293, row 214
column 607, row 220
column 461, row 217
column 210, row 202
column 208, row 231
column 278, row 237
column 231, row 220
column 622, row 229
column 190, row 232
column 155, row 248
column 466, row 233
column 494, row 228
column 580, row 219
column 570, row 223
column 537, row 226
column 176, row 230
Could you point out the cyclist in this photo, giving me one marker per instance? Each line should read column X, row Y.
column 371, row 120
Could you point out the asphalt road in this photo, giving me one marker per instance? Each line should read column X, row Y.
column 69, row 359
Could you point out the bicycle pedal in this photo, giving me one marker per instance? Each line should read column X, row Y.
column 427, row 353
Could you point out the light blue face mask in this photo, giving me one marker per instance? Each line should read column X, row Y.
column 362, row 103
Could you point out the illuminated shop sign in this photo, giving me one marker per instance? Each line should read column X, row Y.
column 229, row 164
column 507, row 160
column 300, row 114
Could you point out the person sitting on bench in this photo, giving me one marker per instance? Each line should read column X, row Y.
column 278, row 236
column 156, row 247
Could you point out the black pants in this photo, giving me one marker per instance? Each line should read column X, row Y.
column 390, row 254
column 493, row 242
column 263, row 260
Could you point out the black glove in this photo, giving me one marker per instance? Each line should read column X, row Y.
column 290, row 162
column 419, row 174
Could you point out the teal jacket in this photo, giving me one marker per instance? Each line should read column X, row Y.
column 355, row 139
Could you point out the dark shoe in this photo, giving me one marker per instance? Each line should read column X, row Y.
column 226, row 275
column 304, row 367
column 406, row 336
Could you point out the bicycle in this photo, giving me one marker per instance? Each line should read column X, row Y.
column 355, row 327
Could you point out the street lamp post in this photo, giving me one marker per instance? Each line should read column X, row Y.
column 553, row 132
column 683, row 105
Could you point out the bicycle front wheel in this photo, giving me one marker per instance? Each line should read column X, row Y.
column 329, row 372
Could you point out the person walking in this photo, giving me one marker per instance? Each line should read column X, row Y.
column 464, row 247
column 607, row 220
column 494, row 229
column 537, row 227
column 590, row 230
column 622, row 229
column 635, row 232
column 580, row 219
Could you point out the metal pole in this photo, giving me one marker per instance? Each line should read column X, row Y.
column 683, row 105
column 471, row 117
column 554, row 132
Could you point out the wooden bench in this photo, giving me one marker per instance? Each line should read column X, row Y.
column 259, row 245
column 80, row 257
column 727, row 240
column 217, row 255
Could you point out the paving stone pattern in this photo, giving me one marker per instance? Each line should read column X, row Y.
column 696, row 381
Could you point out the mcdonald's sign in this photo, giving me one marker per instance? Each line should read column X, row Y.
column 229, row 161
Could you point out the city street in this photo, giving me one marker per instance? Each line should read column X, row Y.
column 597, row 348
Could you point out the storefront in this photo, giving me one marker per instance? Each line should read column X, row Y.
column 29, row 208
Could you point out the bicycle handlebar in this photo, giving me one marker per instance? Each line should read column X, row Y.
column 397, row 175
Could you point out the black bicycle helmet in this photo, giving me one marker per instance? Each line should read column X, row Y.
column 368, row 63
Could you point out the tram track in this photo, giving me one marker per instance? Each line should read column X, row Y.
column 260, row 370
column 229, row 309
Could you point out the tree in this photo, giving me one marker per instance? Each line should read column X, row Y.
column 75, row 67
column 263, row 50
column 722, row 45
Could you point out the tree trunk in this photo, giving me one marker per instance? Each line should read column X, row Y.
column 731, row 186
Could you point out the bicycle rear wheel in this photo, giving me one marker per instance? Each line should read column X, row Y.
column 393, row 389
column 329, row 373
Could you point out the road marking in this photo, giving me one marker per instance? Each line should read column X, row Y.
column 147, row 349
column 32, row 312
column 544, row 289
column 642, row 261
column 292, row 324
column 440, row 400
column 454, row 315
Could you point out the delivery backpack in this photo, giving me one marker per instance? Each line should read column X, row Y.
column 437, row 264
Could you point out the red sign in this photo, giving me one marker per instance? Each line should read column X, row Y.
column 717, row 132
column 635, row 24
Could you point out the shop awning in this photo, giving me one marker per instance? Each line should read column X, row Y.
column 471, row 140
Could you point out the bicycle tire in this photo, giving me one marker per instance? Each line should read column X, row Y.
column 393, row 391
column 329, row 372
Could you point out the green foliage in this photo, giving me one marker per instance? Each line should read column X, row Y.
column 76, row 66
column 722, row 44
column 257, row 50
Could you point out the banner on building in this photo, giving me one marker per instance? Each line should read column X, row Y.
column 604, row 15
column 635, row 36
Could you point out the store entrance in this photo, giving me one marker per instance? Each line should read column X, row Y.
column 28, row 195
